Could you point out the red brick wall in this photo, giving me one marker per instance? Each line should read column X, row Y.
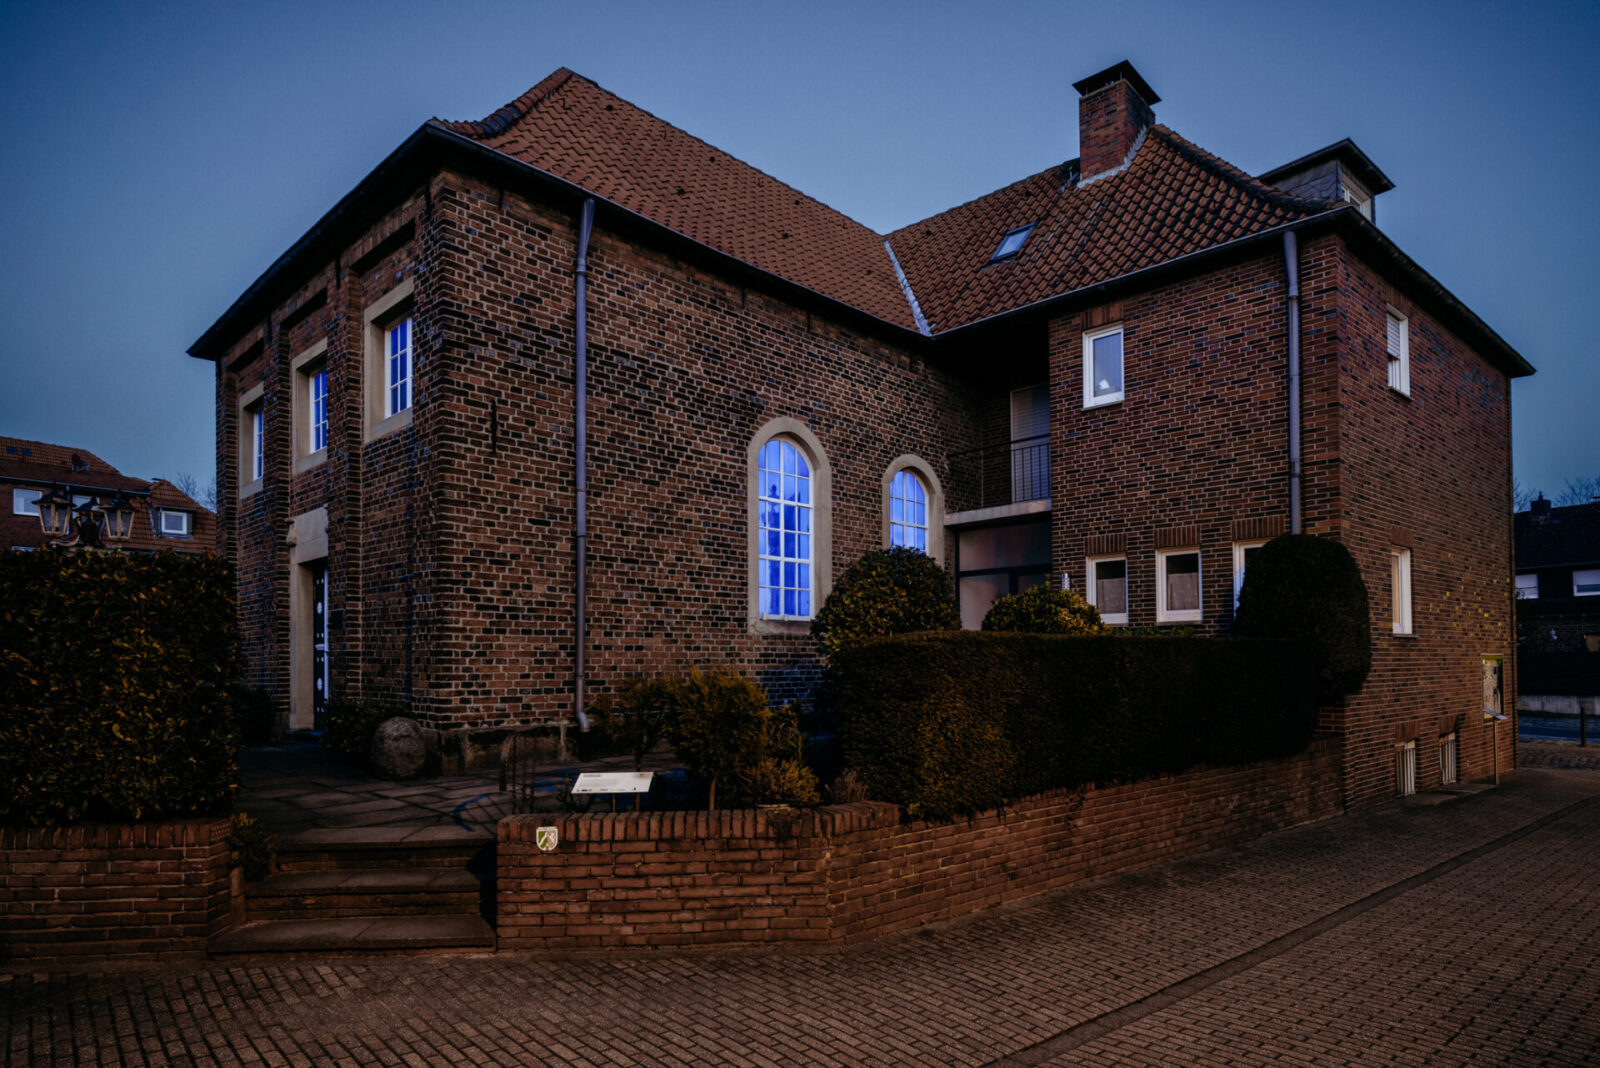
column 156, row 890
column 848, row 873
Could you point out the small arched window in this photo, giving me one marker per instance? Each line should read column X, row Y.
column 908, row 511
column 785, row 538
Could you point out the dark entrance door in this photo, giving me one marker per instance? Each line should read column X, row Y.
column 319, row 645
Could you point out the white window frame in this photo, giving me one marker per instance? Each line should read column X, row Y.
column 1397, row 345
column 25, row 501
column 797, row 433
column 1591, row 580
column 804, row 534
column 905, row 526
column 1400, row 582
column 1528, row 590
column 1089, row 338
column 306, row 367
column 1092, row 587
column 1405, row 768
column 1186, row 615
column 187, row 524
column 1239, row 550
column 252, row 440
column 382, row 316
column 399, row 385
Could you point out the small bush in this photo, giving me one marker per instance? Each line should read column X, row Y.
column 632, row 722
column 887, row 591
column 782, row 776
column 350, row 725
column 256, row 715
column 1044, row 609
column 255, row 846
column 957, row 723
column 1308, row 590
column 847, row 788
column 117, row 676
column 717, row 726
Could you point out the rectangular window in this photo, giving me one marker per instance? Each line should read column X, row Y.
column 25, row 501
column 1586, row 582
column 1178, row 586
column 317, row 385
column 1399, row 348
column 258, row 439
column 1102, row 367
column 1527, row 587
column 1400, row 583
column 252, row 440
column 1106, row 586
column 1242, row 553
column 1405, row 766
column 397, row 382
column 174, row 523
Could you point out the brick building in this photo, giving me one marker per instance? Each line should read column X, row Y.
column 1084, row 377
column 164, row 517
column 1558, row 607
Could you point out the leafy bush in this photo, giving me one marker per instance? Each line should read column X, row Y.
column 117, row 673
column 887, row 591
column 1308, row 590
column 349, row 725
column 255, row 845
column 717, row 726
column 1044, row 609
column 257, row 716
column 632, row 722
column 955, row 723
column 782, row 776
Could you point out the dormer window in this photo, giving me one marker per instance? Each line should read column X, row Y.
column 1011, row 243
column 174, row 523
column 1355, row 196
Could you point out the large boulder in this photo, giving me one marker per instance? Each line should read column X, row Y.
column 398, row 749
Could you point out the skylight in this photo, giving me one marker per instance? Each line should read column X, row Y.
column 1011, row 243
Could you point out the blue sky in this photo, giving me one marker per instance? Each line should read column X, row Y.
column 159, row 156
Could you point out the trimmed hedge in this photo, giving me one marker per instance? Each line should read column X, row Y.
column 957, row 723
column 117, row 686
column 1308, row 590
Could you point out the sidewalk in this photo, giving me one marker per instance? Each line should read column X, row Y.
column 1454, row 933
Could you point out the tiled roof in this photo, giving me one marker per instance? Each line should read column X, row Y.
column 572, row 128
column 1569, row 535
column 1172, row 200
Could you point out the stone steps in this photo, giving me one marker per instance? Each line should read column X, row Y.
column 371, row 890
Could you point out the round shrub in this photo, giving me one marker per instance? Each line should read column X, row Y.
column 887, row 591
column 1308, row 590
column 1044, row 610
column 718, row 727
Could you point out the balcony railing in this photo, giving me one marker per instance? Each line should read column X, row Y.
column 1005, row 473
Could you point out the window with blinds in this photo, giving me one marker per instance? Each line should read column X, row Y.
column 1399, row 347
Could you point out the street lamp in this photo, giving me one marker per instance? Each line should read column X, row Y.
column 97, row 522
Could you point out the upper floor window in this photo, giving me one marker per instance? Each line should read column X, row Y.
column 1178, row 586
column 1243, row 551
column 1399, row 348
column 908, row 511
column 1586, row 582
column 173, row 522
column 1400, row 583
column 25, row 501
column 1106, row 586
column 1102, row 366
column 252, row 440
column 397, row 382
column 318, row 389
column 784, row 509
column 310, row 403
column 1527, row 587
column 258, row 438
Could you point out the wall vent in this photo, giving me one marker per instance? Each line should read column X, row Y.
column 1448, row 770
column 1405, row 762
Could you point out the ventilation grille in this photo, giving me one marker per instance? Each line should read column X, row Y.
column 1447, row 759
column 1405, row 759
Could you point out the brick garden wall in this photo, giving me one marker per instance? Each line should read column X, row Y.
column 153, row 891
column 849, row 873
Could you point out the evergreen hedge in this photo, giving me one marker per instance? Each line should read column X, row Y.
column 1308, row 590
column 888, row 591
column 957, row 723
column 117, row 686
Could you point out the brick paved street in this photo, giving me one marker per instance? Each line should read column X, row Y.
column 1423, row 933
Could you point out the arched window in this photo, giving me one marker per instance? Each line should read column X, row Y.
column 908, row 511
column 785, row 539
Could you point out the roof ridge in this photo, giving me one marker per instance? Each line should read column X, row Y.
column 1223, row 169
column 501, row 119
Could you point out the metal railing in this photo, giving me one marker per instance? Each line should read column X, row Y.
column 1004, row 473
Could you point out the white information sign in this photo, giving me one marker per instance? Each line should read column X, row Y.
column 613, row 782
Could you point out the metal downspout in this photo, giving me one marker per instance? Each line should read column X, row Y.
column 1291, row 261
column 581, row 539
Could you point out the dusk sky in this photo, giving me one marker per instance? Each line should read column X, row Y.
column 158, row 157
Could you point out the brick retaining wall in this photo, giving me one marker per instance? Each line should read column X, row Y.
column 150, row 890
column 849, row 873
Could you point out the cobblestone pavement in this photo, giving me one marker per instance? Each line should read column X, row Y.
column 1459, row 933
column 1542, row 754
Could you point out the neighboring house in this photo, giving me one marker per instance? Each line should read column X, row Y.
column 1558, row 606
column 164, row 517
column 1083, row 377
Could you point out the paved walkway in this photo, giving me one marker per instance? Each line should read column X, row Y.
column 1461, row 933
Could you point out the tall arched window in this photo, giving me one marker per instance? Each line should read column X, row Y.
column 785, row 539
column 908, row 511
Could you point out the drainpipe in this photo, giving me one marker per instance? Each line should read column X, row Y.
column 1291, row 261
column 581, row 627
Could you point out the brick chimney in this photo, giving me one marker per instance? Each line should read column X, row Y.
column 1114, row 110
